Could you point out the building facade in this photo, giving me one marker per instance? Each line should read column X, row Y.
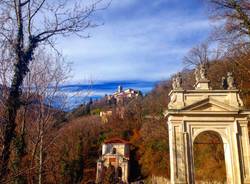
column 192, row 112
column 115, row 152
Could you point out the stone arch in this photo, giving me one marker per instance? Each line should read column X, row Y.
column 191, row 112
column 209, row 155
column 229, row 146
column 221, row 134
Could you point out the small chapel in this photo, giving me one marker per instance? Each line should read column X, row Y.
column 115, row 153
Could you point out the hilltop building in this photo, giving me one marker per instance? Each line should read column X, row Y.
column 121, row 96
column 115, row 152
column 117, row 100
column 105, row 115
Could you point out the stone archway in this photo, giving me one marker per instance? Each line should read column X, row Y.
column 191, row 112
column 229, row 136
column 209, row 158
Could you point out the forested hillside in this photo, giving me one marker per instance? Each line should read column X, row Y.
column 144, row 126
column 43, row 144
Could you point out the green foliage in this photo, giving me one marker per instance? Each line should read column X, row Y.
column 101, row 138
column 95, row 111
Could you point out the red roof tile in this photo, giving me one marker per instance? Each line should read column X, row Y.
column 116, row 140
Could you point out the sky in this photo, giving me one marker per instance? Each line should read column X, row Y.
column 139, row 40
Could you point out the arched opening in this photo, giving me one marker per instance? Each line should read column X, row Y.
column 119, row 172
column 114, row 151
column 209, row 159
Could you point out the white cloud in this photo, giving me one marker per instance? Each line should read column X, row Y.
column 147, row 47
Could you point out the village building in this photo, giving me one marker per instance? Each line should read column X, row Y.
column 115, row 152
column 116, row 102
column 105, row 115
column 122, row 96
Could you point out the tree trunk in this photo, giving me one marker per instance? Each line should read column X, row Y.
column 40, row 160
column 9, row 123
column 13, row 101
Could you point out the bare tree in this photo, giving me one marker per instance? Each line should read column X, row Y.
column 47, row 72
column 197, row 55
column 236, row 14
column 24, row 25
column 240, row 56
column 35, row 131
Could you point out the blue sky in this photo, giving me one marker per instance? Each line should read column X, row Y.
column 140, row 40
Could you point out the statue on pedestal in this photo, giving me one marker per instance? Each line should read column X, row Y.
column 197, row 75
column 230, row 81
column 174, row 83
column 202, row 83
column 177, row 82
column 224, row 83
column 200, row 73
column 203, row 72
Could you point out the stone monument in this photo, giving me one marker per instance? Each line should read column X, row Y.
column 191, row 112
column 202, row 82
column 177, row 82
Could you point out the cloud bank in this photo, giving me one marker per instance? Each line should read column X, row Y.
column 140, row 40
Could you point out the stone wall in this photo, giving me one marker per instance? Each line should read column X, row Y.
column 158, row 180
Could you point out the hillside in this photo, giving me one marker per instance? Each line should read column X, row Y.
column 73, row 139
column 144, row 125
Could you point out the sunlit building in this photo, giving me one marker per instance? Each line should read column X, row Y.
column 115, row 152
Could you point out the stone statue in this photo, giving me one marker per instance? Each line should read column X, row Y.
column 230, row 81
column 203, row 72
column 174, row 83
column 178, row 80
column 197, row 74
column 224, row 83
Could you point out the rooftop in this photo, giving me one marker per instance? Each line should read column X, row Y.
column 116, row 140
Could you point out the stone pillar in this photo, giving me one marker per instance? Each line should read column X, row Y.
column 231, row 153
column 228, row 155
column 189, row 157
column 245, row 151
column 125, row 171
column 178, row 156
column 99, row 171
column 235, row 159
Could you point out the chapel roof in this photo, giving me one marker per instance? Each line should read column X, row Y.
column 115, row 140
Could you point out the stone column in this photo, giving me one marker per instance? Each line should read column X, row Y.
column 99, row 171
column 189, row 157
column 178, row 156
column 245, row 151
column 125, row 171
column 232, row 157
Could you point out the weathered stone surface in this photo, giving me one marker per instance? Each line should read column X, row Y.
column 191, row 112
